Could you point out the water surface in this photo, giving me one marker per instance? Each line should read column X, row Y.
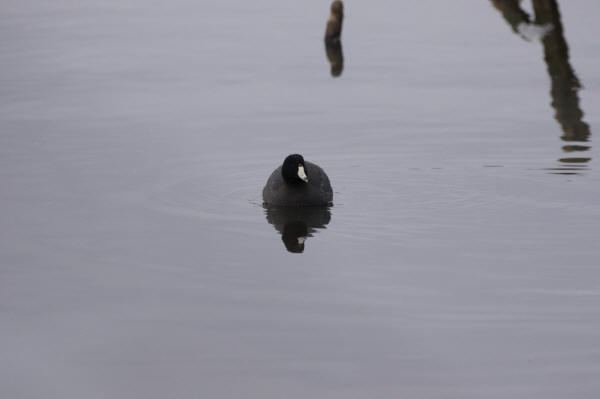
column 460, row 258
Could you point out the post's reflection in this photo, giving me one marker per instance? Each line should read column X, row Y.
column 564, row 83
column 335, row 57
column 333, row 41
column 296, row 224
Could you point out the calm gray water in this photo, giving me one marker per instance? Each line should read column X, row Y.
column 461, row 258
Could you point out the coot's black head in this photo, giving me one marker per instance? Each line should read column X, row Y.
column 293, row 171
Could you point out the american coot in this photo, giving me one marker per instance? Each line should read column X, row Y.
column 298, row 183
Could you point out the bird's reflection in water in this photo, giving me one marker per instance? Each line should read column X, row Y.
column 564, row 83
column 297, row 224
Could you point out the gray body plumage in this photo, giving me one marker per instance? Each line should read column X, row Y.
column 317, row 191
